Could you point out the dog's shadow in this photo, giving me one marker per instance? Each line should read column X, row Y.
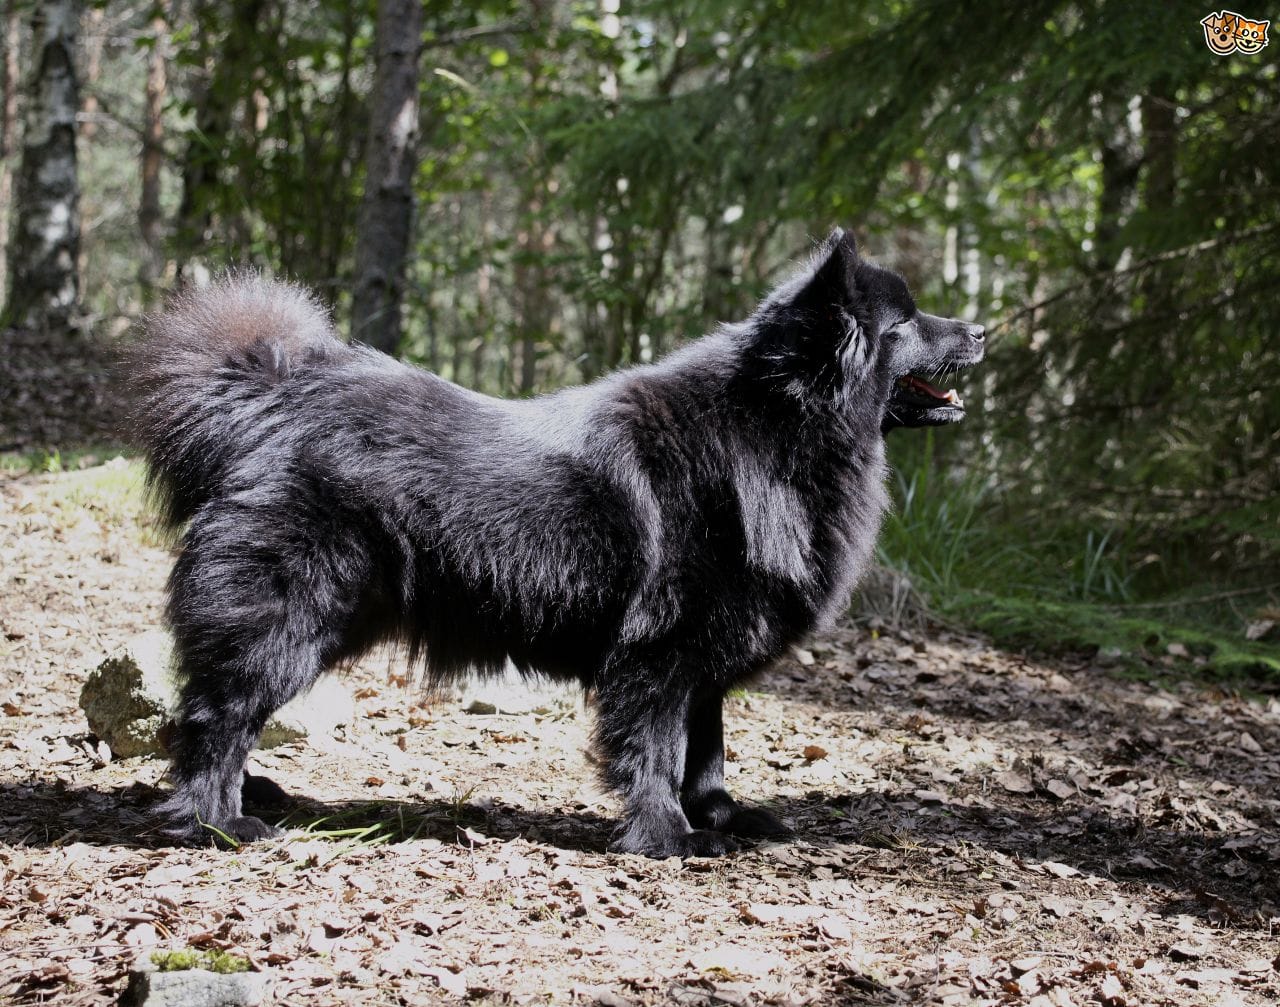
column 1184, row 871
column 43, row 815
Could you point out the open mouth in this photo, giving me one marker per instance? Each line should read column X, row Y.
column 915, row 401
column 916, row 391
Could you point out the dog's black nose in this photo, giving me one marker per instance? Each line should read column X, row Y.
column 977, row 333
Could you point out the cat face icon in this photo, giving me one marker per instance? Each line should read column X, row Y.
column 1251, row 36
column 1220, row 32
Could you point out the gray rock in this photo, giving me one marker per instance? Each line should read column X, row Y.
column 192, row 988
column 1108, row 657
column 126, row 699
column 131, row 695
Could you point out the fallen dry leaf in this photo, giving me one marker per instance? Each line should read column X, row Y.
column 1111, row 992
column 1015, row 782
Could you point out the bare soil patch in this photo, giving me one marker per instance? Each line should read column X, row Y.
column 973, row 827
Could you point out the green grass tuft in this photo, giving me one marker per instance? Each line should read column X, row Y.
column 1063, row 587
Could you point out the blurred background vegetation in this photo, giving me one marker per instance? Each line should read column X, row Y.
column 594, row 182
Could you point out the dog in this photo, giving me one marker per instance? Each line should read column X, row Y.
column 659, row 535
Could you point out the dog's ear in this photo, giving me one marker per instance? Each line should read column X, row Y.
column 832, row 280
column 846, row 242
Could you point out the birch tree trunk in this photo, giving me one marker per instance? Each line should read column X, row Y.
column 44, row 288
column 8, row 123
column 385, row 219
column 149, row 212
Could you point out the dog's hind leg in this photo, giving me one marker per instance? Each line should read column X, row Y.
column 257, row 616
column 224, row 706
column 702, row 793
column 641, row 725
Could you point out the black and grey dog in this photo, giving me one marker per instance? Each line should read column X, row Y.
column 658, row 536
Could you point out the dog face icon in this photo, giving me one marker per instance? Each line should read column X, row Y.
column 1251, row 36
column 1220, row 32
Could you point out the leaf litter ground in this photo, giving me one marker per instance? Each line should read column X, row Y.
column 973, row 827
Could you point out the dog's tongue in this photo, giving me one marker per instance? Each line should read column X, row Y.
column 924, row 388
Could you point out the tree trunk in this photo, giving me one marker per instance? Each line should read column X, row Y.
column 149, row 212
column 44, row 289
column 8, row 123
column 1120, row 163
column 385, row 220
column 91, row 42
column 1160, row 143
column 534, row 236
column 228, row 66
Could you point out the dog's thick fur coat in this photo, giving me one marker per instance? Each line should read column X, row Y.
column 657, row 536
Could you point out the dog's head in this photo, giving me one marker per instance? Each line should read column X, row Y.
column 847, row 326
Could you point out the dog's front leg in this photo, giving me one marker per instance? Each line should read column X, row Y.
column 641, row 727
column 706, row 802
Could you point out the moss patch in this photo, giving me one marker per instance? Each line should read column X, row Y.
column 189, row 958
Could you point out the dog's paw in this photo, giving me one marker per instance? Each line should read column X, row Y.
column 170, row 834
column 711, row 810
column 717, row 810
column 703, row 843
column 698, row 843
column 248, row 829
column 230, row 833
column 755, row 823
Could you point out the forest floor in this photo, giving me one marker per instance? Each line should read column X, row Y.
column 972, row 826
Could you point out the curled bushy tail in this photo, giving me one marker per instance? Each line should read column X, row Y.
column 201, row 376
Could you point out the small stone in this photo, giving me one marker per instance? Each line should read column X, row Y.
column 512, row 694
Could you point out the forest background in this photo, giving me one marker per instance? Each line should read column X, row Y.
column 526, row 195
